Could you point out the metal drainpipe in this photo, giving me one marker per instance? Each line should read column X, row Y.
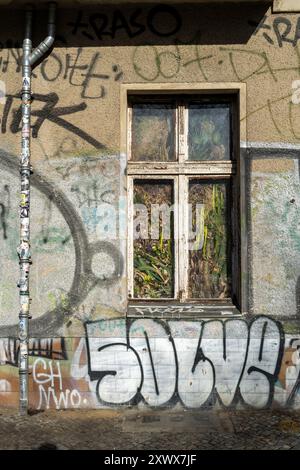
column 30, row 58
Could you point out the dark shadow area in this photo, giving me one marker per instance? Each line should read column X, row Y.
column 135, row 24
column 32, row 411
column 47, row 446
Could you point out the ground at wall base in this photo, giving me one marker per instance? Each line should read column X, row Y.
column 163, row 430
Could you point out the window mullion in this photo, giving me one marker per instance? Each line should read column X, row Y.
column 130, row 253
column 176, row 237
column 181, row 127
column 183, row 236
column 129, row 133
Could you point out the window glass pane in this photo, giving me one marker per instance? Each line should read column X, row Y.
column 153, row 239
column 209, row 240
column 209, row 132
column 153, row 132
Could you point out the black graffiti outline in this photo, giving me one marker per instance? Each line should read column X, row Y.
column 272, row 378
column 118, row 21
column 199, row 356
column 12, row 348
column 100, row 376
column 291, row 399
column 4, row 211
column 138, row 397
column 281, row 36
column 49, row 112
column 214, row 394
column 166, row 9
column 84, row 279
column 14, row 49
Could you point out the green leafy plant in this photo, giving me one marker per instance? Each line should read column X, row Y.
column 208, row 273
column 153, row 259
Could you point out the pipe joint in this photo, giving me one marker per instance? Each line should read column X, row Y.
column 47, row 43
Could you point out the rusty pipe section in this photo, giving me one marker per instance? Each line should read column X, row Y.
column 28, row 60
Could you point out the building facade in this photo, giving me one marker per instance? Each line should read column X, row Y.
column 188, row 108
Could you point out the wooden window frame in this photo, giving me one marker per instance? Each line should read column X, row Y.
column 178, row 171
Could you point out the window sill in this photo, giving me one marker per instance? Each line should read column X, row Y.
column 187, row 310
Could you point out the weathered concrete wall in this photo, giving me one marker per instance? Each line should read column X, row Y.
column 78, row 275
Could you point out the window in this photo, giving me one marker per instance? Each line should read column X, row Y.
column 183, row 187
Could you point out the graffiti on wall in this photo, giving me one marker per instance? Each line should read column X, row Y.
column 195, row 363
column 47, row 112
column 280, row 30
column 88, row 75
column 160, row 363
column 85, row 279
column 47, row 357
column 241, row 64
column 161, row 21
column 144, row 361
column 94, row 75
column 4, row 209
column 48, row 378
column 51, row 348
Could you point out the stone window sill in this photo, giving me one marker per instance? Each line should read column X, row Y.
column 183, row 310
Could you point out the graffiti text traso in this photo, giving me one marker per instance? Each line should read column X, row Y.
column 99, row 26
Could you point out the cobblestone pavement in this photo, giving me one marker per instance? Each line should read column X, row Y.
column 159, row 430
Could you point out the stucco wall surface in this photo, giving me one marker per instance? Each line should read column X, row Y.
column 85, row 352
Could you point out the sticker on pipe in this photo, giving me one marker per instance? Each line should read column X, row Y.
column 26, row 83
